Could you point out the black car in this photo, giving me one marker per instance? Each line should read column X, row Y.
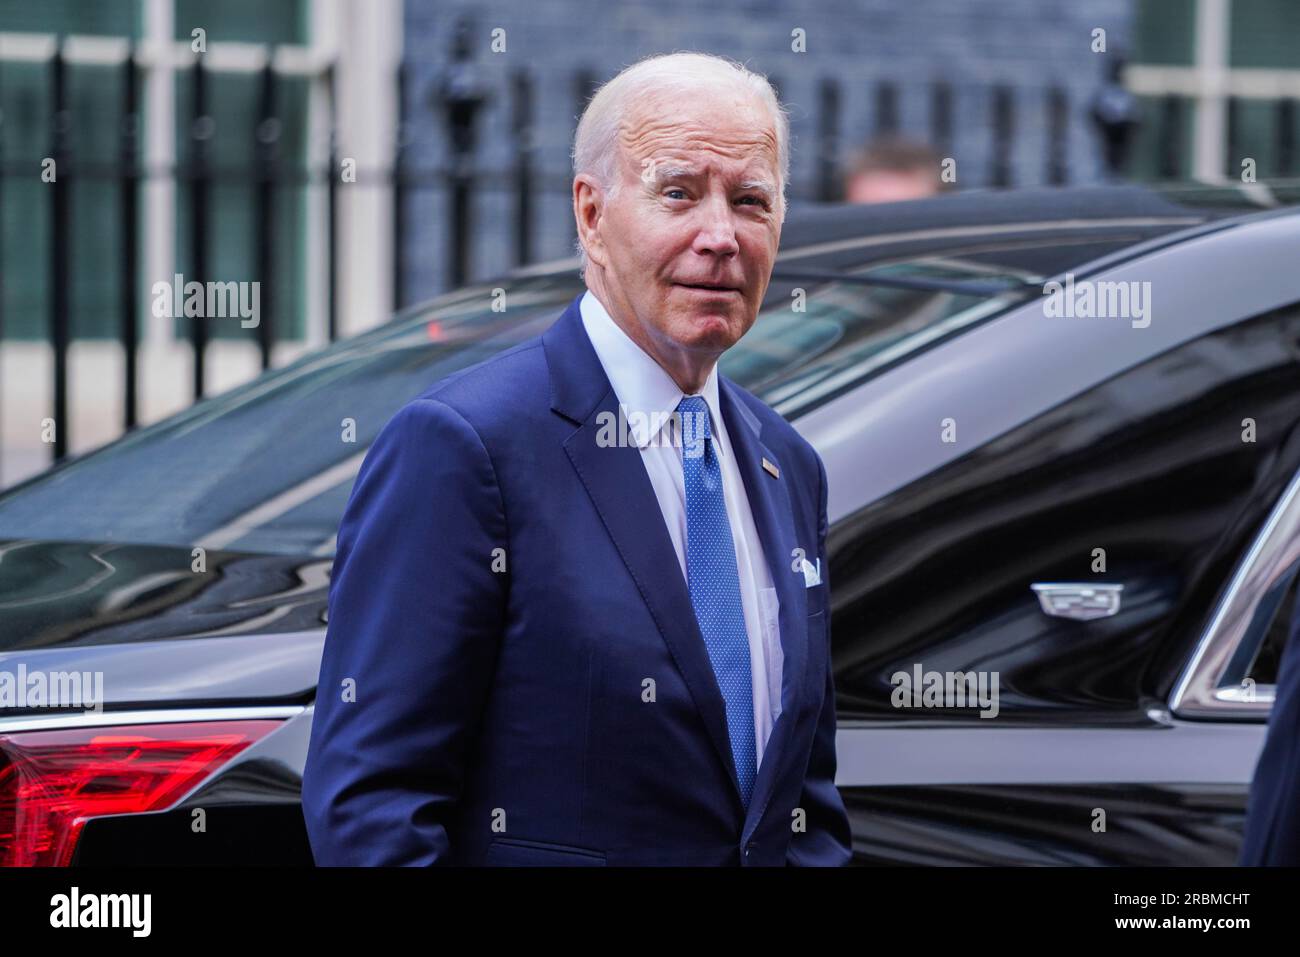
column 1089, row 522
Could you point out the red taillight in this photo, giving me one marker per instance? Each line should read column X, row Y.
column 52, row 782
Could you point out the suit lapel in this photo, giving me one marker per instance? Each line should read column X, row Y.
column 620, row 489
column 769, row 502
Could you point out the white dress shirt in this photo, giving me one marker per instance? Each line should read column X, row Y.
column 642, row 386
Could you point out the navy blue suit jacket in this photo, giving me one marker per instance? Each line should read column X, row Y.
column 562, row 710
column 1273, row 811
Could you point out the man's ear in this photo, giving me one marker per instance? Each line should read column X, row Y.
column 588, row 206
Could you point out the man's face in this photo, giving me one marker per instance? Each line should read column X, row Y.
column 688, row 240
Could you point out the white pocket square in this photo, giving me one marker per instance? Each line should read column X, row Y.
column 812, row 574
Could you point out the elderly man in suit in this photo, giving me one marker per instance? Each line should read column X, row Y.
column 578, row 614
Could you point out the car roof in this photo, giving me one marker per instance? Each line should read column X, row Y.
column 809, row 224
column 833, row 236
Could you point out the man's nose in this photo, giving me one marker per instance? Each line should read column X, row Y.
column 717, row 228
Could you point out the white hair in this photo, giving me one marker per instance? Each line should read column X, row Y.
column 596, row 147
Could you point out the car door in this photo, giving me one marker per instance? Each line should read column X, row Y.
column 984, row 721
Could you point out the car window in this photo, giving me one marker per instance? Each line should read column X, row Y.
column 1152, row 481
column 268, row 467
column 797, row 357
column 1271, row 632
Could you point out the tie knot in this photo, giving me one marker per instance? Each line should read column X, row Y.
column 695, row 420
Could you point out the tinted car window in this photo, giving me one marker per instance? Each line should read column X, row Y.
column 269, row 466
column 1277, row 629
column 1150, row 466
column 800, row 355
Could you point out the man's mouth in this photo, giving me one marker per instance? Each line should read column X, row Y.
column 709, row 287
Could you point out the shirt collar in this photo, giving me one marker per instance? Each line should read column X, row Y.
column 641, row 384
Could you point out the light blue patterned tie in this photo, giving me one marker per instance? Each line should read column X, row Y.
column 714, row 584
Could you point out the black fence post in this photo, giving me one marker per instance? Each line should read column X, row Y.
column 399, row 193
column 201, row 130
column 1284, row 128
column 130, row 196
column 828, row 141
column 941, row 118
column 60, row 234
column 266, row 142
column 525, row 136
column 1116, row 115
column 1003, row 131
column 1170, row 150
column 1058, row 132
column 460, row 94
column 886, row 108
column 1233, row 158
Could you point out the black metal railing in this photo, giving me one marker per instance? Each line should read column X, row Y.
column 457, row 179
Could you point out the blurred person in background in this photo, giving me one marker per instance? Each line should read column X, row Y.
column 891, row 169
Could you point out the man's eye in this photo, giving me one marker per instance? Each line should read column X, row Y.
column 676, row 190
column 756, row 200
